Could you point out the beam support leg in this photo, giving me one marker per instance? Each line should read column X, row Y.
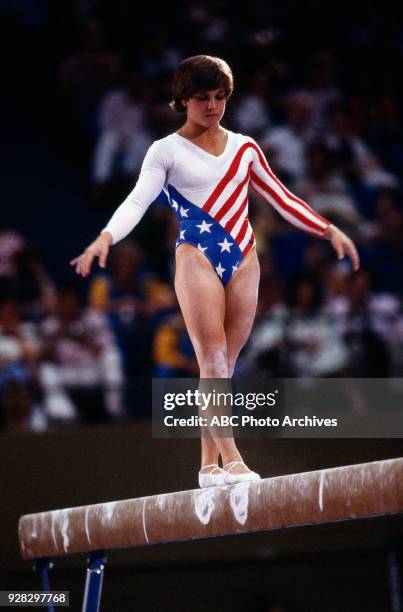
column 395, row 564
column 42, row 566
column 93, row 583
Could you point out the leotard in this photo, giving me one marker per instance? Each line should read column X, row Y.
column 209, row 196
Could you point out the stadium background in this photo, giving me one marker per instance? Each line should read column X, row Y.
column 85, row 91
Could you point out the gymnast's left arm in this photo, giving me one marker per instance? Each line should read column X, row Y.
column 296, row 211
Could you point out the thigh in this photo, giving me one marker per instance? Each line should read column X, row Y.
column 201, row 297
column 240, row 307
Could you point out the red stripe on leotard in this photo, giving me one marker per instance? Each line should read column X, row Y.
column 232, row 222
column 233, row 197
column 298, row 215
column 292, row 197
column 231, row 172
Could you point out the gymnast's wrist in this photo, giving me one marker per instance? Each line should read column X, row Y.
column 329, row 232
column 106, row 236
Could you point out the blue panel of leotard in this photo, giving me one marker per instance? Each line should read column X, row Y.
column 200, row 229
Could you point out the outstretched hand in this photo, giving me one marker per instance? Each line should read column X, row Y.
column 343, row 245
column 99, row 248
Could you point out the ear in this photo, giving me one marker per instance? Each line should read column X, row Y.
column 184, row 103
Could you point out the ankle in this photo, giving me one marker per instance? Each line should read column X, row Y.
column 230, row 458
column 209, row 461
column 236, row 467
column 209, row 467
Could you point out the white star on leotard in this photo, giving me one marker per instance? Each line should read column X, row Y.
column 225, row 246
column 182, row 235
column 175, row 205
column 234, row 269
column 202, row 249
column 183, row 211
column 204, row 227
column 220, row 270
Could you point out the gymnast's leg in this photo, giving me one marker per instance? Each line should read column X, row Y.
column 241, row 294
column 202, row 299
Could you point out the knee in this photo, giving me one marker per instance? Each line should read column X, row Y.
column 213, row 362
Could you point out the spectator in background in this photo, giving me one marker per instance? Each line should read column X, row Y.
column 173, row 353
column 11, row 243
column 32, row 285
column 384, row 253
column 351, row 155
column 121, row 289
column 326, row 189
column 251, row 113
column 335, row 287
column 23, row 275
column 87, row 75
column 19, row 352
column 313, row 344
column 133, row 300
column 80, row 372
column 383, row 130
column 370, row 323
column 212, row 31
column 271, row 290
column 158, row 56
column 322, row 90
column 161, row 119
column 295, row 339
column 124, row 135
column 286, row 145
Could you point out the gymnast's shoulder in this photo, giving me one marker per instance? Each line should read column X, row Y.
column 160, row 153
column 241, row 139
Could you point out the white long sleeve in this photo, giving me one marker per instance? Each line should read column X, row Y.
column 149, row 185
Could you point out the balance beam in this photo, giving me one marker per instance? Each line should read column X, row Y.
column 322, row 496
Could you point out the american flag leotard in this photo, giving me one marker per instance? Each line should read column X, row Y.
column 209, row 195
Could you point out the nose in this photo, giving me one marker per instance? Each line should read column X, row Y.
column 211, row 104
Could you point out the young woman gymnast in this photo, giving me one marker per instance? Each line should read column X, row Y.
column 206, row 170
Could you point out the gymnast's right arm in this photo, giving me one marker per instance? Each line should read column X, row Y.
column 149, row 185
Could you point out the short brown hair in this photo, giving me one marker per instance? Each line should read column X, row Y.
column 200, row 72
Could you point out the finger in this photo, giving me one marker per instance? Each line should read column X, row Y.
column 82, row 264
column 87, row 265
column 78, row 262
column 339, row 248
column 102, row 258
column 77, row 267
column 353, row 254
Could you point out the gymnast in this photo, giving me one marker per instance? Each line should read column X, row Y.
column 205, row 171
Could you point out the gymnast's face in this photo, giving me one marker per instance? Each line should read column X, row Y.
column 206, row 108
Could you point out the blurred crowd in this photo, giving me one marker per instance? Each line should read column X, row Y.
column 328, row 118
